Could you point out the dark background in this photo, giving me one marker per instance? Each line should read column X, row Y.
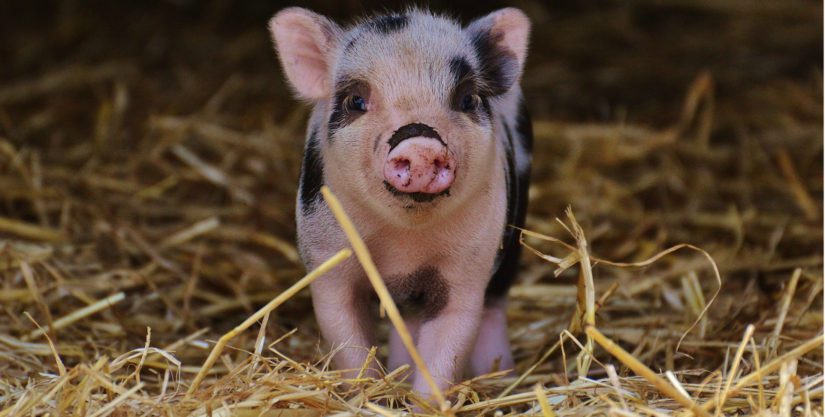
column 589, row 61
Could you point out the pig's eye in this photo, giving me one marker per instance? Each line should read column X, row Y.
column 357, row 103
column 470, row 102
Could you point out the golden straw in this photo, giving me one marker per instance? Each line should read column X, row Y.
column 78, row 314
column 295, row 288
column 29, row 231
column 735, row 365
column 643, row 371
column 770, row 367
column 541, row 397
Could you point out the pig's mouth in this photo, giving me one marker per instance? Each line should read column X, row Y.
column 418, row 197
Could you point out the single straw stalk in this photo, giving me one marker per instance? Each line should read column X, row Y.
column 78, row 314
column 786, row 302
column 384, row 296
column 61, row 368
column 588, row 288
column 734, row 367
column 339, row 257
column 28, row 231
column 541, row 397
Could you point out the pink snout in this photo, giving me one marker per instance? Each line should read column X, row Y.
column 420, row 165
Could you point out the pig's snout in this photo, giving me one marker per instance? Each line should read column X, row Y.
column 420, row 165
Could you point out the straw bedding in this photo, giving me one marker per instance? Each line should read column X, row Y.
column 148, row 165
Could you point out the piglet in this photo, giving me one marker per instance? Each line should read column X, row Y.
column 418, row 125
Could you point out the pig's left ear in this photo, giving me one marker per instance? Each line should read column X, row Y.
column 500, row 40
column 305, row 41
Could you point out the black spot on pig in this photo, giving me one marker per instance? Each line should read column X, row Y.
column 461, row 69
column 338, row 115
column 343, row 113
column 389, row 23
column 517, row 188
column 422, row 293
column 312, row 174
column 381, row 24
column 467, row 88
column 524, row 126
column 413, row 130
column 499, row 67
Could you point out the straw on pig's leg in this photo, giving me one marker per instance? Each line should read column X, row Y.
column 399, row 355
column 445, row 340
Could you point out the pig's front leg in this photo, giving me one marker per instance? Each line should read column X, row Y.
column 342, row 311
column 445, row 340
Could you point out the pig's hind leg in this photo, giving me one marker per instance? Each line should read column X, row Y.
column 399, row 355
column 492, row 349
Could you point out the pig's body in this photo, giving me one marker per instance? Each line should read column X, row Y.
column 419, row 128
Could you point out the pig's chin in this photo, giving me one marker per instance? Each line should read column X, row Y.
column 413, row 210
column 412, row 199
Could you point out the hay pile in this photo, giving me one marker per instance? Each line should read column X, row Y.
column 147, row 176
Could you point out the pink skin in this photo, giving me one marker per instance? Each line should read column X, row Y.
column 399, row 355
column 492, row 350
column 420, row 165
column 446, row 341
column 344, row 329
column 297, row 33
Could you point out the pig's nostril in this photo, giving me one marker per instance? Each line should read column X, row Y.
column 441, row 167
column 401, row 166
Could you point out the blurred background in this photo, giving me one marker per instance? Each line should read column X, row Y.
column 152, row 147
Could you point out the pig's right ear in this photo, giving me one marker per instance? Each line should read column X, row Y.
column 500, row 40
column 305, row 41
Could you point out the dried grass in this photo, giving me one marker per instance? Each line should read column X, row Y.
column 141, row 229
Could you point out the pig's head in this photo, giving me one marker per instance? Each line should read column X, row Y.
column 404, row 103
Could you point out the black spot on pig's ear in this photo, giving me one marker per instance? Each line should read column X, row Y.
column 312, row 174
column 500, row 41
column 388, row 24
column 499, row 67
